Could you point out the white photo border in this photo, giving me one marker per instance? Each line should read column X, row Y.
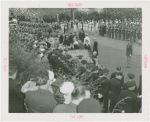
column 5, row 116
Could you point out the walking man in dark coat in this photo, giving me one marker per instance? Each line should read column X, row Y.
column 129, row 53
column 115, row 89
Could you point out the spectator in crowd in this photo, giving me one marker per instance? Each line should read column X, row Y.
column 42, row 99
column 75, row 43
column 83, row 67
column 113, row 75
column 77, row 95
column 131, row 77
column 16, row 98
column 81, row 45
column 87, row 40
column 103, row 89
column 87, row 46
column 95, row 51
column 115, row 90
column 131, row 104
column 93, row 104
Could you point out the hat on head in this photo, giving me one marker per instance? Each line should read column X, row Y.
column 67, row 88
column 131, row 83
column 95, row 68
column 131, row 75
column 84, row 62
column 86, row 34
column 118, row 68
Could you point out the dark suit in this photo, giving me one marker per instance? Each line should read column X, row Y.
column 115, row 89
column 16, row 98
column 113, row 75
column 131, row 104
column 104, row 90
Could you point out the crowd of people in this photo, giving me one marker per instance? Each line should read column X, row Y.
column 62, row 89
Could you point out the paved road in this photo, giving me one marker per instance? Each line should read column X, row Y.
column 112, row 53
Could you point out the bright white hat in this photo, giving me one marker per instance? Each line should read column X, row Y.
column 67, row 88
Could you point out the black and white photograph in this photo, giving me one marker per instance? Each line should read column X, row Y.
column 75, row 60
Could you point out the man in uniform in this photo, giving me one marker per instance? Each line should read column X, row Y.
column 129, row 53
column 131, row 77
column 131, row 104
column 109, row 30
column 115, row 29
column 106, row 28
column 123, row 31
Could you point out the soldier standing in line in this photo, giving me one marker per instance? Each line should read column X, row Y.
column 106, row 28
column 113, row 30
column 131, row 33
column 109, row 30
column 123, row 31
column 119, row 30
column 100, row 27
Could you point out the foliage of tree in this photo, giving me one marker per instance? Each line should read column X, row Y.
column 110, row 14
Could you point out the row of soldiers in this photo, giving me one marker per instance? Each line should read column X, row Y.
column 122, row 30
